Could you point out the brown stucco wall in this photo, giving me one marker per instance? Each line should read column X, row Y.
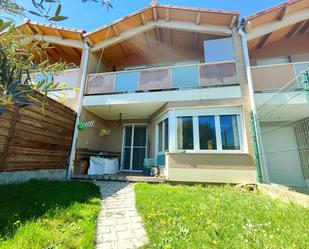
column 91, row 139
column 210, row 161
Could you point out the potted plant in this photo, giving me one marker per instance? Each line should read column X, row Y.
column 147, row 166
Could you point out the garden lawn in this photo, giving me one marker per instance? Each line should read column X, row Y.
column 48, row 214
column 219, row 217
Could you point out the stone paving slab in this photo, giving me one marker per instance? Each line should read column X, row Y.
column 119, row 225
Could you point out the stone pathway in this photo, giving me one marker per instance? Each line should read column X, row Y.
column 119, row 225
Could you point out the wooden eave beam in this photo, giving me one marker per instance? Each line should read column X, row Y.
column 289, row 20
column 196, row 39
column 232, row 23
column 263, row 41
column 167, row 15
column 57, row 40
column 59, row 34
column 147, row 39
column 305, row 29
column 30, row 29
column 297, row 27
column 158, row 35
column 124, row 49
column 198, row 18
column 115, row 30
column 175, row 25
column 169, row 37
column 38, row 30
column 143, row 18
column 155, row 16
column 283, row 13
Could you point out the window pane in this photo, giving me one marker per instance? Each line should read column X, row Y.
column 185, row 133
column 138, row 158
column 127, row 159
column 165, row 134
column 128, row 135
column 140, row 135
column 229, row 132
column 160, row 126
column 207, row 130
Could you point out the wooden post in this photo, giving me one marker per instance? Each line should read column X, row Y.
column 8, row 138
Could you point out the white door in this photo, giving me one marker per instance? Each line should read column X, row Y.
column 134, row 147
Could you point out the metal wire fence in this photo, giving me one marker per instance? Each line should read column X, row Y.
column 283, row 132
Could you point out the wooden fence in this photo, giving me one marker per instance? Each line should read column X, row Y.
column 31, row 139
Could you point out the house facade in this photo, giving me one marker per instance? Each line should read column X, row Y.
column 169, row 83
column 278, row 41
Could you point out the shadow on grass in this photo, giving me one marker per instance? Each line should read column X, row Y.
column 35, row 199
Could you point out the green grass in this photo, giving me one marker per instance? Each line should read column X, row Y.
column 48, row 214
column 219, row 217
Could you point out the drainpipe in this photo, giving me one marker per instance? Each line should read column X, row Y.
column 261, row 164
column 84, row 63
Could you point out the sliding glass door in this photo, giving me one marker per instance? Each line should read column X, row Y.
column 134, row 148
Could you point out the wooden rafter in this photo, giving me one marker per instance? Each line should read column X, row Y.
column 232, row 23
column 196, row 39
column 305, row 29
column 59, row 33
column 147, row 39
column 158, row 36
column 167, row 15
column 124, row 49
column 91, row 43
column 169, row 37
column 155, row 16
column 297, row 27
column 143, row 18
column 38, row 30
column 116, row 30
column 30, row 29
column 198, row 18
column 75, row 51
column 283, row 13
column 263, row 41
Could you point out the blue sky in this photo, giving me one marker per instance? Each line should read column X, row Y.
column 90, row 15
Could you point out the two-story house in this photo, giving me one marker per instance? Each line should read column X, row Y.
column 278, row 40
column 169, row 83
column 166, row 82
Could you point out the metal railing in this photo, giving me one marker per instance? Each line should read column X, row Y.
column 162, row 78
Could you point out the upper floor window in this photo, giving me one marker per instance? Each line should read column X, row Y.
column 273, row 61
column 219, row 50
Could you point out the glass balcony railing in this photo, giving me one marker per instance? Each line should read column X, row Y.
column 164, row 78
column 272, row 77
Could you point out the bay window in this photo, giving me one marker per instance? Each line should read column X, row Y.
column 209, row 132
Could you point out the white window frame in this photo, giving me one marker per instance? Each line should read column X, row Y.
column 159, row 120
column 212, row 111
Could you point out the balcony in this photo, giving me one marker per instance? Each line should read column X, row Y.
column 163, row 78
column 272, row 77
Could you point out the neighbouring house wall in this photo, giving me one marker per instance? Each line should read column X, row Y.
column 281, row 154
column 297, row 48
column 196, row 167
column 36, row 140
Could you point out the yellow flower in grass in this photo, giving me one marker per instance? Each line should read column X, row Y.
column 214, row 242
column 16, row 222
column 209, row 222
column 168, row 246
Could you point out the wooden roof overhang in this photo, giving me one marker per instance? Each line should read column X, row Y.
column 159, row 24
column 65, row 43
column 279, row 22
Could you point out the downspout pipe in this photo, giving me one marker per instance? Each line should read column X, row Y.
column 84, row 63
column 263, row 169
